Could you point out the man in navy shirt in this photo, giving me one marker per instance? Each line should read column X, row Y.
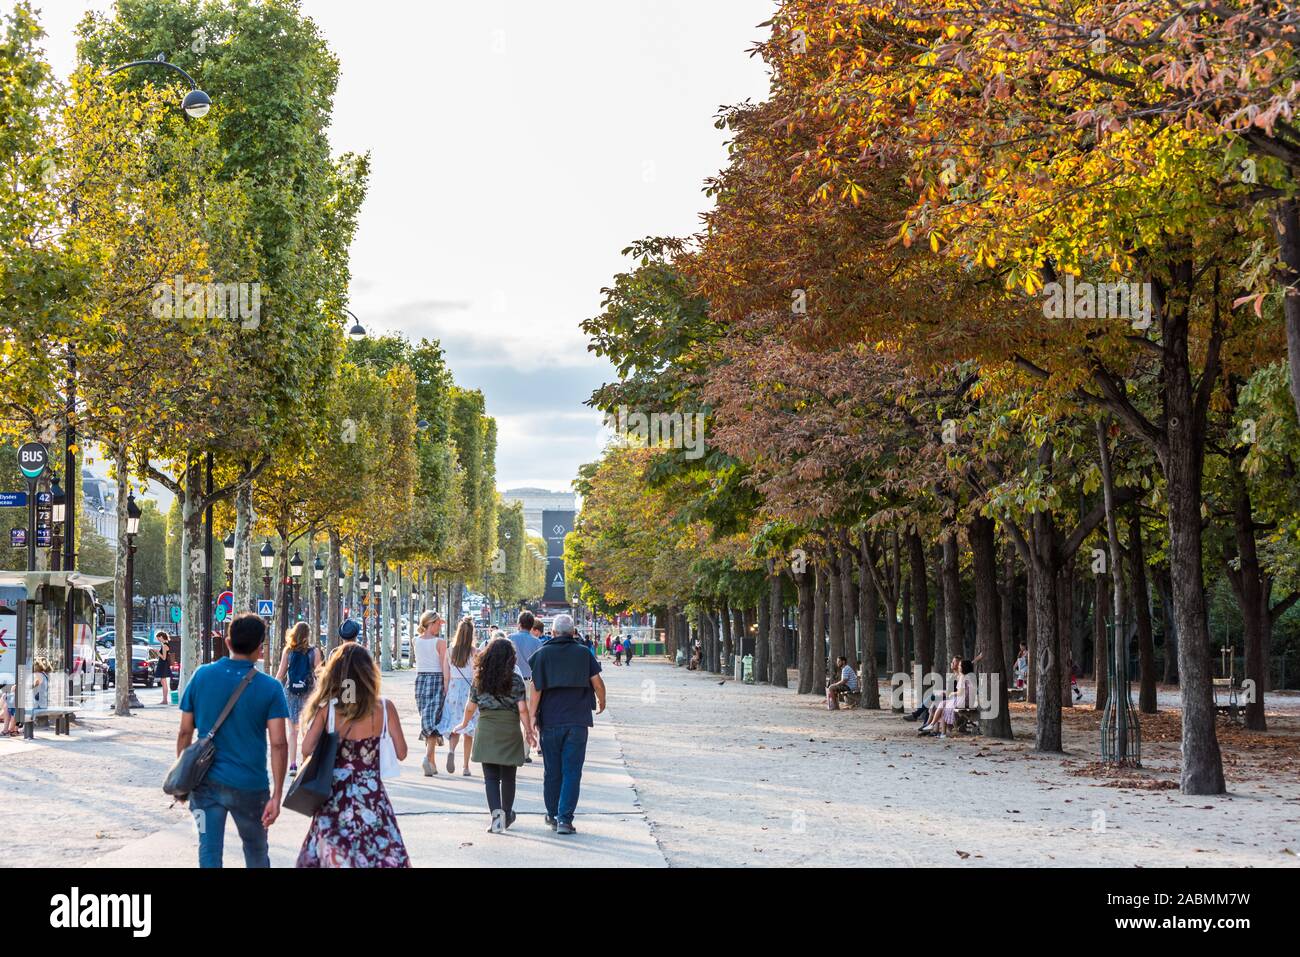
column 236, row 783
column 566, row 677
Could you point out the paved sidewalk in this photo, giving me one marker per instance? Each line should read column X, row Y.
column 443, row 819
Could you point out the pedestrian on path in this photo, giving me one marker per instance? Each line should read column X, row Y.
column 431, row 674
column 627, row 651
column 356, row 826
column 499, row 698
column 297, row 673
column 236, row 783
column 569, row 688
column 618, row 652
column 526, row 645
column 163, row 666
column 459, row 683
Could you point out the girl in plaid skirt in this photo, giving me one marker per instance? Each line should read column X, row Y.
column 430, row 685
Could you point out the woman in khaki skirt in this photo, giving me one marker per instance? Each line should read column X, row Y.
column 499, row 698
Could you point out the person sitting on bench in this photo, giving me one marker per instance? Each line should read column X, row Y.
column 944, row 713
column 848, row 683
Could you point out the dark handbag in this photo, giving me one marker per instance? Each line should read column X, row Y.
column 315, row 780
column 193, row 763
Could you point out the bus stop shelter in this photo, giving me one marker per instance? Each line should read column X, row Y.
column 50, row 616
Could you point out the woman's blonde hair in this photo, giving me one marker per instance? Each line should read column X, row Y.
column 41, row 665
column 350, row 677
column 298, row 638
column 428, row 618
column 462, row 646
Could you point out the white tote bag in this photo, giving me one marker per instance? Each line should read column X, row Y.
column 389, row 766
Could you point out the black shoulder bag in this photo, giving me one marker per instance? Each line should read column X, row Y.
column 315, row 781
column 193, row 763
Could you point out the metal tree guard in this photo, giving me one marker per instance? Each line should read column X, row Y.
column 1121, row 733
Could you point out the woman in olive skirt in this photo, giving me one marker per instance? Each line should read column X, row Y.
column 503, row 724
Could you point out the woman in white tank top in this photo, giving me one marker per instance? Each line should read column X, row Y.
column 430, row 684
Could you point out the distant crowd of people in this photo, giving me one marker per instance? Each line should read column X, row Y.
column 498, row 701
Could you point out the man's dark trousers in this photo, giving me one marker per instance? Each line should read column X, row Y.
column 564, row 749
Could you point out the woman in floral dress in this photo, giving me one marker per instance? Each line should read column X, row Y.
column 356, row 827
column 461, row 667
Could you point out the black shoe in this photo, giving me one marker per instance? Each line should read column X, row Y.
column 563, row 828
column 528, row 760
column 551, row 821
column 511, row 819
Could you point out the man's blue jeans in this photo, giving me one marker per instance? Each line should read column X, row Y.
column 210, row 803
column 564, row 749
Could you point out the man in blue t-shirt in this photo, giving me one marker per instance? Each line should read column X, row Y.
column 566, row 676
column 236, row 782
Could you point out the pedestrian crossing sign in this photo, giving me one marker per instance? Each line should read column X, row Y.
column 266, row 607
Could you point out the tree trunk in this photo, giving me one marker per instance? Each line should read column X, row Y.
column 1006, row 608
column 1064, row 599
column 849, row 595
column 193, row 560
column 821, row 607
column 807, row 607
column 952, row 606
column 920, row 601
column 1252, row 591
column 760, row 640
column 1202, row 771
column 1170, row 627
column 1047, row 732
column 995, row 720
column 245, row 591
column 776, row 638
column 1031, row 630
column 1142, row 605
column 1286, row 226
column 836, row 614
column 868, row 615
column 1100, row 646
column 122, row 639
column 334, row 602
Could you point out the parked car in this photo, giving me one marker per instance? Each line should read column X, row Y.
column 142, row 667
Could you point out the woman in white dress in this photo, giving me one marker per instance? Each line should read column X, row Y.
column 460, row 666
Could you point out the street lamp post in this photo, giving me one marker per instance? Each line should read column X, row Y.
column 364, row 585
column 317, row 574
column 295, row 583
column 58, row 509
column 126, row 614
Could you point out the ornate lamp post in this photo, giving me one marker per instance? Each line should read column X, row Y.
column 295, row 583
column 364, row 584
column 318, row 575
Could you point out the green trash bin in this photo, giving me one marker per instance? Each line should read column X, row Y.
column 747, row 669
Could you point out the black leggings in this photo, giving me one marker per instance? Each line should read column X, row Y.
column 499, row 779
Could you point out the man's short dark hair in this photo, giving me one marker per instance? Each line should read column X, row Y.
column 247, row 632
column 525, row 621
column 537, row 626
column 839, row 658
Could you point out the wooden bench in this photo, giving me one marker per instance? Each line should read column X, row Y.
column 849, row 699
column 61, row 718
column 1233, row 708
column 967, row 721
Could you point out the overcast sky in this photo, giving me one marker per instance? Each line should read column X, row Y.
column 517, row 147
